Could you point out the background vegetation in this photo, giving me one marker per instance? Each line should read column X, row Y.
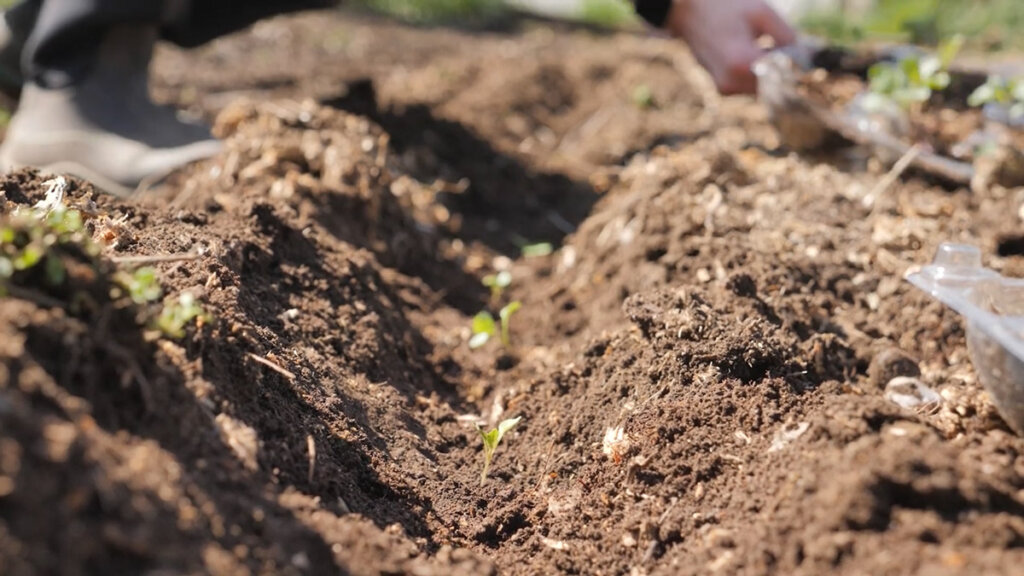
column 987, row 24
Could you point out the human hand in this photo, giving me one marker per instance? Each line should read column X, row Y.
column 723, row 36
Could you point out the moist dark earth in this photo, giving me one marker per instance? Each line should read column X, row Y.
column 700, row 364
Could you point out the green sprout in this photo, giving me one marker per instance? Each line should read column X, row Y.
column 911, row 80
column 537, row 250
column 642, row 97
column 37, row 237
column 491, row 440
column 998, row 90
column 485, row 327
column 141, row 285
column 175, row 317
column 497, row 283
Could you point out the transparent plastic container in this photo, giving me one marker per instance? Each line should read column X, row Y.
column 993, row 308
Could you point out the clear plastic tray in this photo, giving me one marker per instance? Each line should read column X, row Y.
column 993, row 307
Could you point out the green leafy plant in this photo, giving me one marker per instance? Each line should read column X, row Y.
column 436, row 10
column 998, row 90
column 141, row 285
column 491, row 441
column 175, row 317
column 37, row 238
column 485, row 327
column 910, row 81
column 497, row 283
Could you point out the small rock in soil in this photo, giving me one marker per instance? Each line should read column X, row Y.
column 891, row 363
column 910, row 393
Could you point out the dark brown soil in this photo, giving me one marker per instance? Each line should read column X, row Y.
column 699, row 365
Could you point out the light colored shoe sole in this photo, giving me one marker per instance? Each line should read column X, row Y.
column 97, row 180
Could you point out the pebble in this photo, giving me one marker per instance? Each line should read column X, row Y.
column 910, row 393
column 891, row 363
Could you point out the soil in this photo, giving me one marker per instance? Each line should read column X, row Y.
column 700, row 364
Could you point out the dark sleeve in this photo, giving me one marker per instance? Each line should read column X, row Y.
column 654, row 11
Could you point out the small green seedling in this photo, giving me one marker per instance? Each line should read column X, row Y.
column 998, row 90
column 497, row 283
column 38, row 236
column 910, row 81
column 141, row 285
column 491, row 440
column 175, row 317
column 485, row 327
column 506, row 317
column 643, row 98
column 537, row 250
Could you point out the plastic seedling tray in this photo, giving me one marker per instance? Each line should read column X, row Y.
column 993, row 307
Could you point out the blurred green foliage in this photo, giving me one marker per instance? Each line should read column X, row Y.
column 436, row 10
column 987, row 24
column 608, row 13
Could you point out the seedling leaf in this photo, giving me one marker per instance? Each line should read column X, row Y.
column 479, row 339
column 175, row 317
column 491, row 440
column 501, row 279
column 506, row 317
column 483, row 323
column 483, row 328
column 537, row 250
column 497, row 283
column 506, row 425
column 643, row 97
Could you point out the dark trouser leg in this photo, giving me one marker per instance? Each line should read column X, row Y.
column 209, row 19
column 18, row 21
column 67, row 33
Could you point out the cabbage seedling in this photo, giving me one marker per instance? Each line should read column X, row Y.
column 175, row 317
column 485, row 327
column 998, row 90
column 491, row 440
column 910, row 81
column 497, row 283
column 142, row 285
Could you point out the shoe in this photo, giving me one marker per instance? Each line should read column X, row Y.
column 105, row 128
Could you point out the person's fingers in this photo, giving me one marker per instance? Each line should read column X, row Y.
column 737, row 75
column 768, row 22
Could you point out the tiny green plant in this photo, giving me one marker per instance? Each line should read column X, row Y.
column 497, row 283
column 175, row 317
column 999, row 90
column 910, row 81
column 485, row 327
column 37, row 237
column 491, row 440
column 643, row 98
column 537, row 250
column 506, row 319
column 141, row 285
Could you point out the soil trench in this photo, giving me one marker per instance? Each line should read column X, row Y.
column 700, row 363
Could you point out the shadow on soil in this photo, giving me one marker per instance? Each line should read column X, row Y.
column 507, row 204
